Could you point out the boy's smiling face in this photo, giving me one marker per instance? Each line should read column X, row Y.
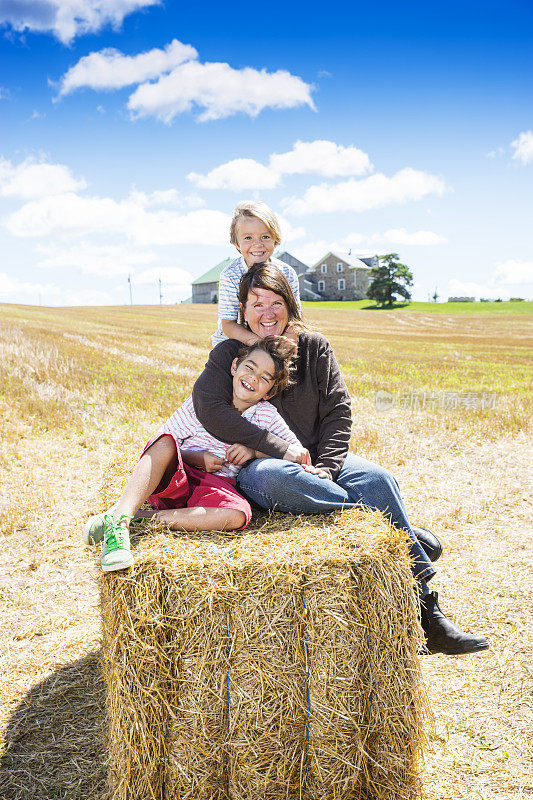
column 253, row 379
column 254, row 240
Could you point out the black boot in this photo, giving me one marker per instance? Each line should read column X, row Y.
column 442, row 636
column 428, row 542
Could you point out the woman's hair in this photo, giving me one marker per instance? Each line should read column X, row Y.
column 260, row 211
column 266, row 275
column 281, row 350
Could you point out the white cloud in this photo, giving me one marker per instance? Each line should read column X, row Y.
column 237, row 175
column 67, row 19
column 14, row 290
column 110, row 69
column 92, row 259
column 321, row 157
column 164, row 197
column 416, row 238
column 513, row 277
column 372, row 192
column 513, row 272
column 499, row 151
column 31, row 179
column 363, row 245
column 4, row 93
column 523, row 147
column 220, row 90
column 70, row 214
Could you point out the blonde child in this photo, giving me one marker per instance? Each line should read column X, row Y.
column 175, row 471
column 255, row 232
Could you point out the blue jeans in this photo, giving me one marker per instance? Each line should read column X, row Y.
column 281, row 485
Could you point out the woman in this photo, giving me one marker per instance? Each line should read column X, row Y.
column 317, row 408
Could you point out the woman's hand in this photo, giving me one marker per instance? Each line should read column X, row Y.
column 297, row 454
column 239, row 454
column 315, row 470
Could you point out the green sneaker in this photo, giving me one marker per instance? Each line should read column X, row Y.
column 116, row 553
column 94, row 528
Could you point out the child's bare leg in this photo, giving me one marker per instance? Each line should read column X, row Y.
column 147, row 475
column 198, row 518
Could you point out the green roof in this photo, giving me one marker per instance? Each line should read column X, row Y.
column 213, row 274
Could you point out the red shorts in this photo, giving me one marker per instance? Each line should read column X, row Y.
column 190, row 487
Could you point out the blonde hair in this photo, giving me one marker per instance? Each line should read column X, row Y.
column 260, row 211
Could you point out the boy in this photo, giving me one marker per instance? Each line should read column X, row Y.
column 175, row 470
column 255, row 232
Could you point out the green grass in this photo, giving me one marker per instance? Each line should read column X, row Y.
column 506, row 307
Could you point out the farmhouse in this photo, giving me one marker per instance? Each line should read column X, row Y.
column 336, row 276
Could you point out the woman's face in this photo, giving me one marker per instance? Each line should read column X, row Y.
column 266, row 313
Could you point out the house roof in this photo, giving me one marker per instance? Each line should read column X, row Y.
column 212, row 275
column 352, row 261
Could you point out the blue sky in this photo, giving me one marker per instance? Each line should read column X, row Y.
column 129, row 130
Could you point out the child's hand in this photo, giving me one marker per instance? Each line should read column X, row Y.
column 203, row 459
column 239, row 454
column 297, row 454
column 315, row 470
column 212, row 463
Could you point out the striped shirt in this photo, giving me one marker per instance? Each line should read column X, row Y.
column 228, row 291
column 186, row 430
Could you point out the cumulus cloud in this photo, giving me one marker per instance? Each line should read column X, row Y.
column 164, row 197
column 110, row 69
column 416, row 238
column 523, row 147
column 220, row 90
column 237, row 175
column 513, row 272
column 363, row 245
column 32, row 179
column 66, row 19
column 320, row 157
column 92, row 259
column 172, row 81
column 16, row 291
column 372, row 192
column 72, row 214
column 512, row 277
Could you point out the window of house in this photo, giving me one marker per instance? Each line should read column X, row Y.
column 341, row 283
column 324, row 269
column 339, row 268
column 321, row 286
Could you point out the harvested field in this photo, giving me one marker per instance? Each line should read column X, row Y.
column 83, row 387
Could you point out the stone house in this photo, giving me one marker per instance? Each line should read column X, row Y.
column 337, row 276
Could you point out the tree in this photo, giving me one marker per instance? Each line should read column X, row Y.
column 390, row 279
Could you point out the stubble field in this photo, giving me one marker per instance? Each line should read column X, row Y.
column 442, row 400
